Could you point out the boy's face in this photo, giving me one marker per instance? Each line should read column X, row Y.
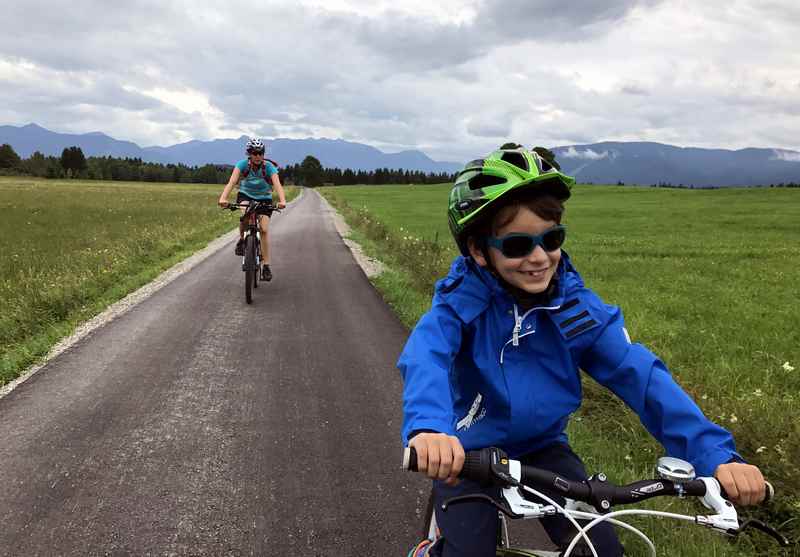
column 531, row 273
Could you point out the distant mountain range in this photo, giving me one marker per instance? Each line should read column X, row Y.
column 648, row 163
column 642, row 163
column 330, row 152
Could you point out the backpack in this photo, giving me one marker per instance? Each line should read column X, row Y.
column 246, row 171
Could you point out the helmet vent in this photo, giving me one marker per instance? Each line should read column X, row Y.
column 516, row 158
column 485, row 180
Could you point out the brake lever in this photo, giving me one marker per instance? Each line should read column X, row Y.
column 770, row 531
column 480, row 497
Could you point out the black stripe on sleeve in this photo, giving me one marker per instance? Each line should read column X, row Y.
column 580, row 328
column 573, row 319
column 567, row 305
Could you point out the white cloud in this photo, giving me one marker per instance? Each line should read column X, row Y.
column 588, row 154
column 790, row 156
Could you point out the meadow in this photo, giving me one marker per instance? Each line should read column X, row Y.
column 707, row 279
column 69, row 248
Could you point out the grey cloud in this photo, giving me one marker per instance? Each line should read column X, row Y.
column 491, row 128
column 555, row 19
column 414, row 44
column 633, row 89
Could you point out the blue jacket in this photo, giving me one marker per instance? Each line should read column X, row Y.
column 476, row 367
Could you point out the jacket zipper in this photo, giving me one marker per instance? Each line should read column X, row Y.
column 517, row 325
column 518, row 319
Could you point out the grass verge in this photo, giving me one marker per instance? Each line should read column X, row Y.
column 68, row 249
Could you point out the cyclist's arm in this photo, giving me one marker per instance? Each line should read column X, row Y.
column 424, row 366
column 639, row 378
column 427, row 404
column 234, row 179
column 276, row 185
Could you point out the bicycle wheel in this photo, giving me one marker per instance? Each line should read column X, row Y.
column 257, row 274
column 249, row 267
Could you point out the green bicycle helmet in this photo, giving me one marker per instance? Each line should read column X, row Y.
column 485, row 184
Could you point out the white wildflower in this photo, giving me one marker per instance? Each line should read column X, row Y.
column 734, row 419
column 761, row 449
column 787, row 366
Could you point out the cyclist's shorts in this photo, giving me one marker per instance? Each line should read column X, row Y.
column 240, row 197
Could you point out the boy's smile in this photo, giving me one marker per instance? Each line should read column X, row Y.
column 533, row 272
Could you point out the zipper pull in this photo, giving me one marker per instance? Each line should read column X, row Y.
column 517, row 327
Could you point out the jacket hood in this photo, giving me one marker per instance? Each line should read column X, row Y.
column 469, row 288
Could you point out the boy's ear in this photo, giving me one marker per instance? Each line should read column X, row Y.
column 476, row 252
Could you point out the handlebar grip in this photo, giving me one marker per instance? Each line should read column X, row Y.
column 477, row 465
column 697, row 488
column 769, row 493
column 409, row 460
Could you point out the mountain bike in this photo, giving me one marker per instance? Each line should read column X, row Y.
column 251, row 260
column 520, row 498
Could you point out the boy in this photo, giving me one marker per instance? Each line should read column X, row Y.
column 495, row 361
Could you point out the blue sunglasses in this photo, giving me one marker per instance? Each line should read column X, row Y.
column 518, row 244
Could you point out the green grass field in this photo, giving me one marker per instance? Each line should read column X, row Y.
column 708, row 279
column 70, row 248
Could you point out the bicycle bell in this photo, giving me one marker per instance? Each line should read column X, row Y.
column 674, row 469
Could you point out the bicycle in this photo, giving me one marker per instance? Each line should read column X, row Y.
column 491, row 466
column 251, row 260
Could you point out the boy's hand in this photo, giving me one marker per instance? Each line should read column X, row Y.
column 743, row 483
column 439, row 456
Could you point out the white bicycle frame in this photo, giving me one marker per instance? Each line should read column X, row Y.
column 724, row 520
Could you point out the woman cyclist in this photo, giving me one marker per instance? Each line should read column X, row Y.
column 257, row 177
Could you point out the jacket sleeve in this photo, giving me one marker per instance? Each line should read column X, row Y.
column 639, row 378
column 425, row 368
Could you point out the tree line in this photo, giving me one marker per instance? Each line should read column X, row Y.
column 74, row 164
column 310, row 172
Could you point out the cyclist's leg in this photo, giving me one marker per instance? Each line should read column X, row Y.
column 468, row 529
column 263, row 226
column 241, row 199
column 560, row 458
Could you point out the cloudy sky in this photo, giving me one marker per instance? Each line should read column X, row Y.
column 454, row 78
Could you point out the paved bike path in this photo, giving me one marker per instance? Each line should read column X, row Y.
column 196, row 424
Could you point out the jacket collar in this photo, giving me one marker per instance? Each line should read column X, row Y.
column 469, row 288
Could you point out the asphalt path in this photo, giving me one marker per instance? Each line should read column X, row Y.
column 195, row 424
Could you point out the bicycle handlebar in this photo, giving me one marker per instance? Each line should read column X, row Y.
column 491, row 466
column 262, row 204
